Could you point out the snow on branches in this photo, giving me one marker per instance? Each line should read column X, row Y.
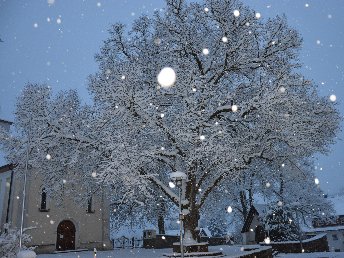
column 241, row 100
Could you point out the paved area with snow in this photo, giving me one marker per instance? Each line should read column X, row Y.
column 313, row 255
column 229, row 251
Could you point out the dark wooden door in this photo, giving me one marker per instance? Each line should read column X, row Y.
column 65, row 236
column 259, row 234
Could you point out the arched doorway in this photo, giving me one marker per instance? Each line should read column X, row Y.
column 259, row 234
column 65, row 236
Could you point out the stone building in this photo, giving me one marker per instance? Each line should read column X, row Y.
column 53, row 226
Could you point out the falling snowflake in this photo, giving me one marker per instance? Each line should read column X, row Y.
column 234, row 108
column 157, row 41
column 206, row 9
column 202, row 137
column 258, row 15
column 316, row 181
column 205, row 51
column 167, row 77
column 224, row 39
column 281, row 89
column 236, row 13
column 333, row 98
column 48, row 157
column 229, row 209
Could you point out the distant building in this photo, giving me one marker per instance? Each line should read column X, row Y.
column 67, row 226
column 333, row 226
column 6, row 173
column 5, row 124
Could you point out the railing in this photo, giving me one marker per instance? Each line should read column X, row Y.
column 124, row 242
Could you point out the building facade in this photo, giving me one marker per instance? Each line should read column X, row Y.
column 53, row 226
column 66, row 225
column 6, row 174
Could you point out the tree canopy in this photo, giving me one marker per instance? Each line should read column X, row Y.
column 238, row 97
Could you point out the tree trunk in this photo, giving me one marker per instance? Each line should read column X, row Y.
column 191, row 230
column 243, row 202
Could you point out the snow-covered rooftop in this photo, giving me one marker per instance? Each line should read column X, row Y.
column 261, row 209
column 324, row 229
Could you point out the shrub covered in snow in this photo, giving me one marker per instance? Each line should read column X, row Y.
column 9, row 241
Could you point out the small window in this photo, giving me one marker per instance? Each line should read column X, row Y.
column 90, row 205
column 43, row 206
column 335, row 237
column 337, row 250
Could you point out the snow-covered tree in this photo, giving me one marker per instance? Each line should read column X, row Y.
column 238, row 97
column 280, row 225
column 46, row 126
column 9, row 241
column 287, row 187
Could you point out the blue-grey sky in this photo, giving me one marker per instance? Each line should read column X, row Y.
column 54, row 42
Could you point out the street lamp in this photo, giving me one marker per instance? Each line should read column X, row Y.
column 25, row 253
column 179, row 178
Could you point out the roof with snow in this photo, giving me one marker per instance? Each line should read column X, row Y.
column 256, row 209
column 324, row 229
column 5, row 121
column 7, row 168
column 175, row 232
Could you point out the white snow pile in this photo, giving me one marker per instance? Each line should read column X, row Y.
column 26, row 254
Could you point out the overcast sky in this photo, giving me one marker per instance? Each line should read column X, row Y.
column 54, row 42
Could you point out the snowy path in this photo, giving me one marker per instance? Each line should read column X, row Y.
column 313, row 255
column 229, row 251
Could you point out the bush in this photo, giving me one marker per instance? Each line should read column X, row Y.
column 9, row 241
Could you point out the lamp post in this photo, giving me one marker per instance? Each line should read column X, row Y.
column 25, row 253
column 24, row 192
column 179, row 179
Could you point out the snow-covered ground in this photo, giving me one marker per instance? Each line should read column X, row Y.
column 313, row 255
column 229, row 251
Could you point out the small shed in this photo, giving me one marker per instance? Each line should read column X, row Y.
column 253, row 230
